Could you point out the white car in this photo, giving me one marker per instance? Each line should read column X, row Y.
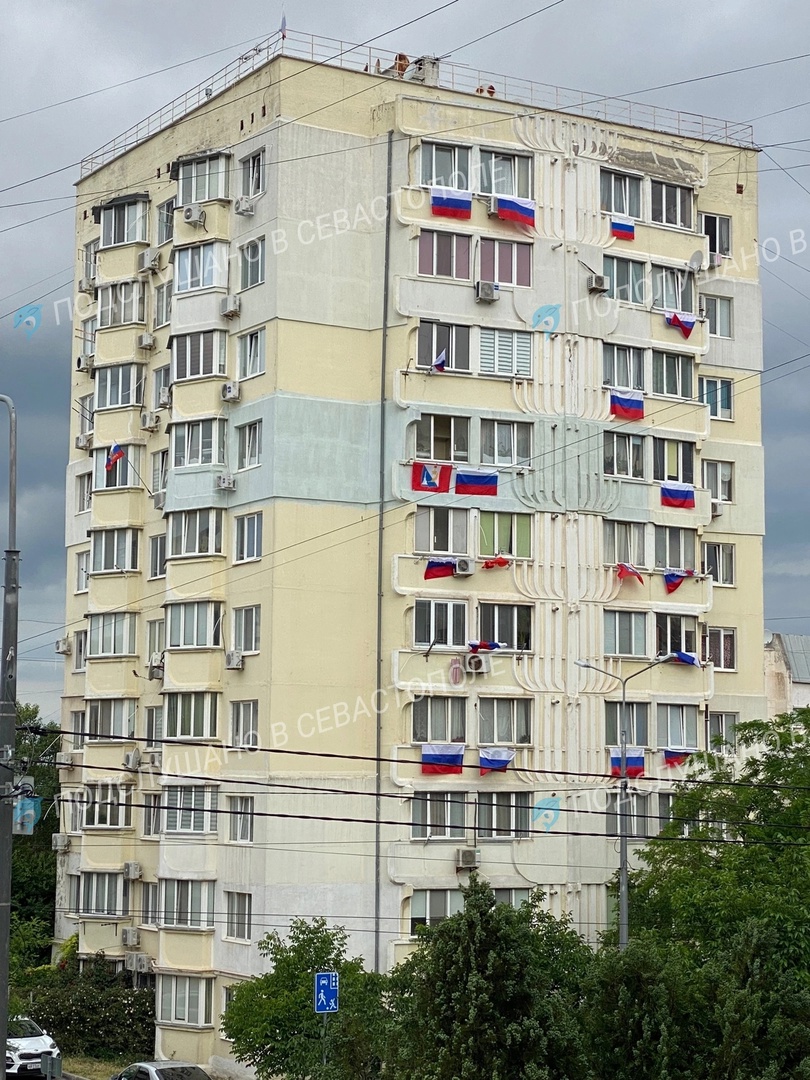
column 162, row 1070
column 26, row 1044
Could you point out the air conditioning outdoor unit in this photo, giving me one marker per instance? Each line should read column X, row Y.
column 468, row 858
column 143, row 963
column 478, row 663
column 150, row 421
column 84, row 362
column 146, row 341
column 149, row 261
column 193, row 214
column 156, row 759
column 131, row 961
column 130, row 937
column 226, row 482
column 133, row 871
column 230, row 306
column 64, row 760
column 60, row 842
column 231, row 391
column 63, row 646
column 717, row 508
column 87, row 285
column 159, row 499
column 156, row 667
column 234, row 661
column 244, row 206
column 464, row 567
column 487, row 291
column 598, row 283
column 84, row 441
column 165, row 397
column 132, row 759
column 715, row 259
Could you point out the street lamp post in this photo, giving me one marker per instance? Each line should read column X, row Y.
column 623, row 789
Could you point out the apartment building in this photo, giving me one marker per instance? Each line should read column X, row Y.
column 355, row 481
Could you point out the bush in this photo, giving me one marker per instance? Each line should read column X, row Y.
column 97, row 1022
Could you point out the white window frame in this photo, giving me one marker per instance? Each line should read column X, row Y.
column 429, row 907
column 636, row 723
column 82, row 571
column 638, row 815
column 505, row 174
column 199, row 442
column 716, row 641
column 622, row 366
column 626, row 279
column 165, row 221
column 89, row 255
column 120, row 303
column 516, row 262
column 618, row 446
column 506, row 624
column 193, row 533
column 673, row 374
column 249, row 445
column 460, row 252
column 504, row 814
column 200, row 266
column 150, row 895
column 238, row 916
column 441, row 530
column 185, row 1000
column 457, row 437
column 252, row 263
column 203, row 179
column 188, row 904
column 505, row 352
column 190, row 714
column 110, row 719
column 504, row 721
column 84, row 407
column 245, row 724
column 87, row 335
column 163, row 304
column 620, row 193
column 720, row 486
column 251, row 350
column 719, row 312
column 253, row 174
column 435, row 338
column 682, row 215
column 457, row 166
column 78, row 727
column 80, row 650
column 625, row 542
column 677, row 726
column 157, row 556
column 508, row 534
column 124, row 223
column 248, row 537
column 722, row 725
column 112, row 633
column 155, row 636
column 118, row 476
column 446, row 622
column 162, row 380
column 247, row 628
column 241, row 815
column 84, row 492
column 104, row 893
column 190, row 808
column 625, row 627
column 718, row 394
column 439, row 719
column 723, row 560
column 675, row 548
column 675, row 633
column 438, row 815
column 154, row 726
column 115, row 550
column 506, row 442
column 673, row 288
column 194, row 624
column 119, row 386
column 107, row 806
column 673, row 459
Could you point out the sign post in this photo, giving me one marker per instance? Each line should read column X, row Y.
column 326, row 995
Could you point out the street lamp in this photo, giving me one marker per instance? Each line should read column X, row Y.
column 623, row 800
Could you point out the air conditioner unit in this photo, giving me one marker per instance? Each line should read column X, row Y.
column 130, row 937
column 226, row 482
column 464, row 567
column 131, row 961
column 234, row 661
column 149, row 261
column 715, row 259
column 60, row 842
column 230, row 306
column 156, row 667
column 146, row 341
column 132, row 759
column 165, row 397
column 487, row 291
column 492, row 206
column 63, row 646
column 143, row 963
column 193, row 214
column 150, row 421
column 87, row 285
column 159, row 499
column 231, row 391
column 244, row 206
column 64, row 760
column 468, row 858
column 84, row 362
column 478, row 663
column 156, row 759
column 598, row 283
column 84, row 441
column 133, row 871
column 717, row 508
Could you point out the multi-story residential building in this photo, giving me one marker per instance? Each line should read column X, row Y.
column 787, row 672
column 377, row 368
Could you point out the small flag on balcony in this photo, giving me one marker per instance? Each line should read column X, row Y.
column 683, row 320
column 115, row 454
column 623, row 229
column 440, row 362
column 626, row 570
column 673, row 579
column 673, row 758
column 627, row 404
column 685, row 658
column 635, row 761
column 495, row 758
column 442, row 758
column 483, row 646
column 437, row 568
column 499, row 561
column 681, row 496
column 476, row 483
column 510, row 208
column 446, row 202
column 430, row 477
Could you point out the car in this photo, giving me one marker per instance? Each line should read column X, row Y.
column 162, row 1070
column 26, row 1044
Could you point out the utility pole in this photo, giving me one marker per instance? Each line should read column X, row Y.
column 8, row 720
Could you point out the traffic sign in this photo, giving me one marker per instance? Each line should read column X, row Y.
column 326, row 992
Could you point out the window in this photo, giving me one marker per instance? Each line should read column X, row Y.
column 84, row 492
column 430, row 907
column 194, row 625
column 442, row 438
column 191, row 809
column 108, row 806
column 187, row 903
column 249, row 537
column 155, row 636
column 504, row 813
column 437, row 815
column 191, row 715
column 677, row 726
column 74, row 812
column 672, row 288
column 718, row 477
column 199, row 267
column 716, row 393
column 671, row 204
column 246, row 628
column 505, row 720
column 82, row 570
column 502, row 533
column 674, row 460
column 162, row 381
column 87, row 337
column 718, row 562
column 157, row 556
column 124, row 223
column 437, row 338
column 439, row 530
column 245, row 724
column 112, row 634
column 249, row 445
column 439, row 719
column 720, row 647
column 252, row 263
column 675, row 633
column 440, row 622
column 506, row 442
column 238, row 906
column 675, row 548
column 625, row 279
column 199, row 355
column 77, row 726
column 506, row 262
column 163, row 304
column 84, row 407
column 443, row 254
column 186, row 999
column 196, row 532
column 718, row 229
column 120, row 304
column 624, row 455
column 506, row 174
column 104, row 894
column 509, row 624
column 205, row 178
column 624, row 542
column 446, row 166
column 240, row 811
column 115, row 550
column 622, row 366
column 672, row 374
column 721, row 732
column 253, row 174
column 90, row 259
column 119, row 385
column 199, row 442
column 154, row 725
column 121, row 473
column 620, row 194
column 718, row 312
column 639, row 823
column 111, row 718
column 80, row 650
column 505, row 352
column 251, row 354
column 74, row 886
column 165, row 221
column 626, row 633
column 633, row 722
column 150, row 902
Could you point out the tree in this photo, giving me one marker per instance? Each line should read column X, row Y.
column 490, row 992
column 272, row 1022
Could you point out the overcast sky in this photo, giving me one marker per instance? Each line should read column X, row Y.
column 57, row 49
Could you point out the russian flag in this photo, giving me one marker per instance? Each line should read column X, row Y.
column 625, row 570
column 635, row 761
column 683, row 320
column 672, row 758
column 446, row 202
column 442, row 758
column 685, row 658
column 673, row 579
column 430, row 477
column 681, row 496
column 484, row 646
column 115, row 454
column 437, row 568
column 440, row 363
column 623, row 229
column 510, row 208
column 627, row 404
column 476, row 483
column 495, row 758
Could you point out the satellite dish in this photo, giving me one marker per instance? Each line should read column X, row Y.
column 695, row 262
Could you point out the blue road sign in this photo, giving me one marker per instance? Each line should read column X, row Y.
column 326, row 992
